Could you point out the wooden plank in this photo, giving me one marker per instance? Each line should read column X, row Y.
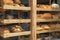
column 11, row 7
column 39, row 39
column 9, row 21
column 15, row 34
column 47, row 20
column 26, row 33
column 33, row 19
column 42, row 9
column 16, row 7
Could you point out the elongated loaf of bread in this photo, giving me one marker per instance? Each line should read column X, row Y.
column 7, row 1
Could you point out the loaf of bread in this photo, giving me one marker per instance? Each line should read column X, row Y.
column 39, row 29
column 39, row 15
column 46, row 27
column 47, row 15
column 52, row 26
column 7, row 1
column 16, row 28
column 4, row 30
column 43, row 6
column 58, row 26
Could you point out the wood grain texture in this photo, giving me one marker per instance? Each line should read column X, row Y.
column 33, row 19
column 26, row 33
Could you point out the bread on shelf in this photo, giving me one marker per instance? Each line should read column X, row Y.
column 7, row 1
column 57, row 26
column 46, row 27
column 39, row 15
column 44, row 16
column 44, row 6
column 55, row 6
column 4, row 30
column 52, row 26
column 16, row 28
column 47, row 15
column 39, row 28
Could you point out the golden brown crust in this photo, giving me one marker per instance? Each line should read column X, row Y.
column 16, row 28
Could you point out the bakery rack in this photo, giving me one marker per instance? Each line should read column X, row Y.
column 33, row 9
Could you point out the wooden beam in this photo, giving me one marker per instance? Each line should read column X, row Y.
column 33, row 19
column 9, row 21
column 7, row 7
column 16, row 7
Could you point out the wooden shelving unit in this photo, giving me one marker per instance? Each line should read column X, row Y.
column 33, row 20
column 26, row 33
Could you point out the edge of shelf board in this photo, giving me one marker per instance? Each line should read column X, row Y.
column 48, row 9
column 26, row 33
column 9, row 21
column 15, row 34
column 16, row 7
column 47, row 20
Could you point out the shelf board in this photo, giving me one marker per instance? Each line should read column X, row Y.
column 16, row 7
column 26, row 33
column 15, row 34
column 47, row 20
column 48, row 9
column 11, row 21
column 38, row 39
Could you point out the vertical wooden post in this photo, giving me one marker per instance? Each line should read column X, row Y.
column 19, row 23
column 29, row 3
column 49, row 2
column 33, row 19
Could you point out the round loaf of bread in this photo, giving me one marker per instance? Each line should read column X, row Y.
column 16, row 28
column 47, row 15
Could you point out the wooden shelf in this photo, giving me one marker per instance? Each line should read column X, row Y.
column 16, row 7
column 9, row 21
column 33, row 21
column 41, row 9
column 26, row 33
column 47, row 20
column 15, row 34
